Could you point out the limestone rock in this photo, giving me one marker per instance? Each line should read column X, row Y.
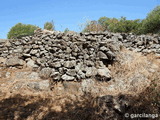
column 45, row 73
column 102, row 55
column 31, row 63
column 55, row 64
column 56, row 76
column 91, row 71
column 70, row 64
column 67, row 77
column 14, row 61
column 104, row 73
column 39, row 85
column 71, row 72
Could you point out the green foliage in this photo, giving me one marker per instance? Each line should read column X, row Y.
column 93, row 26
column 49, row 26
column 21, row 30
column 104, row 21
column 66, row 30
column 119, row 25
column 152, row 22
column 149, row 25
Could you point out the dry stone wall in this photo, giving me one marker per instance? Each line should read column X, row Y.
column 142, row 43
column 61, row 56
column 72, row 56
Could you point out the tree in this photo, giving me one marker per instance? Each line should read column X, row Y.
column 103, row 21
column 21, row 30
column 93, row 26
column 66, row 30
column 120, row 25
column 152, row 22
column 49, row 26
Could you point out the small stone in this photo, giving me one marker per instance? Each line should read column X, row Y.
column 103, row 48
column 71, row 72
column 91, row 71
column 31, row 63
column 55, row 64
column 111, row 55
column 102, row 55
column 2, row 60
column 26, row 55
column 38, row 61
column 56, row 75
column 67, row 77
column 89, row 63
column 104, row 72
column 81, row 74
column 33, row 52
column 45, row 73
column 70, row 64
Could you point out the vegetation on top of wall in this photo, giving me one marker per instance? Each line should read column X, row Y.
column 21, row 30
column 151, row 24
column 49, row 26
column 93, row 26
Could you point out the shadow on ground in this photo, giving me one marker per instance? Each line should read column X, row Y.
column 20, row 107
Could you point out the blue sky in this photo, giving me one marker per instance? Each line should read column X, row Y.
column 68, row 13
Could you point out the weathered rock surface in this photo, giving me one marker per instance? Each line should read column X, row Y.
column 45, row 73
column 14, row 61
column 73, row 56
column 67, row 77
column 39, row 85
column 104, row 73
column 112, row 107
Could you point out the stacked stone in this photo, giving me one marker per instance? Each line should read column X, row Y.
column 73, row 56
column 70, row 56
column 142, row 43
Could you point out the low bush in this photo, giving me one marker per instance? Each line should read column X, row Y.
column 21, row 30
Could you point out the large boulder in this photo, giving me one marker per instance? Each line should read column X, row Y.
column 14, row 61
column 43, row 85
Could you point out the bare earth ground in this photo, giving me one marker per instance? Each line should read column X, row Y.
column 134, row 74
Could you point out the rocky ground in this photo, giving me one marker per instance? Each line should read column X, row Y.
column 89, row 76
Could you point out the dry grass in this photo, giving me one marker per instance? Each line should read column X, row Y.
column 132, row 73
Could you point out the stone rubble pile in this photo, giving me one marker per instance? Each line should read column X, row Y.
column 68, row 57
column 141, row 43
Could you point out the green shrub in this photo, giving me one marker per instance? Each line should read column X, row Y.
column 93, row 26
column 152, row 22
column 21, row 30
column 49, row 26
column 66, row 30
column 120, row 25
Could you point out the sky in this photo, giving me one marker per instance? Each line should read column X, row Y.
column 71, row 14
